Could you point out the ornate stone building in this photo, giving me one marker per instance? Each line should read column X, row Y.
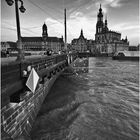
column 43, row 43
column 91, row 46
column 80, row 44
column 107, row 41
column 4, row 46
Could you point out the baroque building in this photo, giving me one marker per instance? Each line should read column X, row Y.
column 108, row 41
column 79, row 44
column 43, row 43
column 4, row 46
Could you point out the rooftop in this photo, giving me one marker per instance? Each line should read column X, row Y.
column 40, row 39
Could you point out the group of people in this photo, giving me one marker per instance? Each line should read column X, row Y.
column 49, row 52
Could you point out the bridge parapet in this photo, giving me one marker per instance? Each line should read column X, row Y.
column 19, row 105
column 12, row 74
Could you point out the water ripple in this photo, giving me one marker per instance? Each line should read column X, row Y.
column 102, row 104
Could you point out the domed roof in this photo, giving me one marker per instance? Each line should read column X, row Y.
column 100, row 8
column 44, row 26
column 99, row 23
column 100, row 14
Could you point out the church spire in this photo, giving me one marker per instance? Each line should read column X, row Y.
column 106, row 20
column 126, row 39
column 100, row 24
column 100, row 14
column 81, row 32
column 44, row 31
column 106, row 28
column 100, row 10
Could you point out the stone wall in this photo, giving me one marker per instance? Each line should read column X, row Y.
column 17, row 118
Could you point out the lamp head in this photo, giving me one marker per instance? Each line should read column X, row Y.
column 9, row 2
column 22, row 9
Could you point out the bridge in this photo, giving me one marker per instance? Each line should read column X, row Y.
column 19, row 105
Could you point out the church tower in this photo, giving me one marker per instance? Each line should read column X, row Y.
column 106, row 28
column 81, row 35
column 44, row 31
column 100, row 24
column 126, row 40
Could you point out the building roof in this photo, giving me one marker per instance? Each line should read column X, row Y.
column 40, row 39
column 12, row 44
column 54, row 39
column 91, row 41
column 31, row 39
column 110, row 31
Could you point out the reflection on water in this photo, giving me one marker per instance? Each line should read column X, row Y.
column 101, row 104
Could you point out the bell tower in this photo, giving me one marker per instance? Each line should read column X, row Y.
column 81, row 34
column 106, row 28
column 44, row 31
column 99, row 25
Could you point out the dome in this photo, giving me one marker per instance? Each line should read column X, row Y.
column 100, row 14
column 44, row 26
column 99, row 23
column 100, row 8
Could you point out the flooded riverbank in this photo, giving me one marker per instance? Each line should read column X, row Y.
column 99, row 104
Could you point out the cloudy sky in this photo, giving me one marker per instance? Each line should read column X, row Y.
column 122, row 15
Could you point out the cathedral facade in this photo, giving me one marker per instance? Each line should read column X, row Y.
column 79, row 44
column 108, row 41
column 82, row 44
column 43, row 43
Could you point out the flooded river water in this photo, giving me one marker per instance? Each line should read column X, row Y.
column 101, row 103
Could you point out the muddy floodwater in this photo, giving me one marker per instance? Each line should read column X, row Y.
column 100, row 103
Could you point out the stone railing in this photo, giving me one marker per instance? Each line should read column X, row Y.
column 19, row 105
column 12, row 75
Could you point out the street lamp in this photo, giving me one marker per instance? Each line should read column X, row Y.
column 20, row 56
column 10, row 2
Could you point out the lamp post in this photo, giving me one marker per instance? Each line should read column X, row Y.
column 20, row 56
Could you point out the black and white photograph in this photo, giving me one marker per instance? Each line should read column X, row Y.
column 69, row 69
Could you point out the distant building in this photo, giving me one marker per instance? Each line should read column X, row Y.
column 107, row 41
column 91, row 46
column 134, row 48
column 43, row 43
column 138, row 47
column 4, row 46
column 13, row 46
column 80, row 44
column 69, row 47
